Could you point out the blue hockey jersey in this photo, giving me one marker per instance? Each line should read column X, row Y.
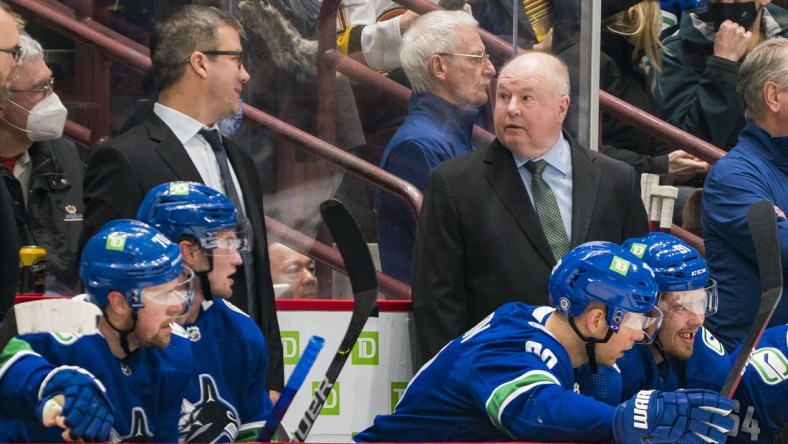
column 227, row 399
column 146, row 390
column 761, row 401
column 637, row 370
column 507, row 378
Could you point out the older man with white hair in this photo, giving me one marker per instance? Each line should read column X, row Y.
column 449, row 70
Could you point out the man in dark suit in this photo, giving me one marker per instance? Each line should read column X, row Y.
column 490, row 232
column 196, row 54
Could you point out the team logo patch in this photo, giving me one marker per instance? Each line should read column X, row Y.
column 71, row 214
column 210, row 419
column 140, row 431
column 193, row 333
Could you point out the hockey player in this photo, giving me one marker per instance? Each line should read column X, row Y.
column 760, row 406
column 227, row 399
column 133, row 374
column 511, row 376
column 684, row 354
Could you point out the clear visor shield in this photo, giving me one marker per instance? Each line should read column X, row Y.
column 171, row 299
column 229, row 241
column 701, row 301
column 648, row 323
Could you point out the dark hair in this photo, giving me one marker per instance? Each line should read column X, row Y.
column 178, row 34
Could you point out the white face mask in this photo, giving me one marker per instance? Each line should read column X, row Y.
column 46, row 120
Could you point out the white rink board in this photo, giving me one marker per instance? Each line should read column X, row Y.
column 373, row 378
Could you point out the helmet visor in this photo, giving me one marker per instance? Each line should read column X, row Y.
column 648, row 323
column 701, row 301
column 229, row 241
column 170, row 299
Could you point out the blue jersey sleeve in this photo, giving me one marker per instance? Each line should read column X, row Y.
column 539, row 404
column 21, row 371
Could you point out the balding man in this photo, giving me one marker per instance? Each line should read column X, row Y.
column 494, row 222
column 9, row 245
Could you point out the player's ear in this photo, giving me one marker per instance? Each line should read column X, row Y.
column 595, row 321
column 117, row 302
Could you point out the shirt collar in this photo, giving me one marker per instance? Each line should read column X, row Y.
column 184, row 126
column 558, row 156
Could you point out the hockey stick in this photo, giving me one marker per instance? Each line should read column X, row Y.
column 361, row 270
column 783, row 438
column 294, row 382
column 762, row 223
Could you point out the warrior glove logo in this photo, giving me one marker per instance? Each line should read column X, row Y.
column 641, row 409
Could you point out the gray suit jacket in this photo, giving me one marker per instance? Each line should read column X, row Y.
column 479, row 243
column 123, row 170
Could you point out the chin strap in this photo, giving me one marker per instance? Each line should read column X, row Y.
column 590, row 343
column 205, row 284
column 123, row 334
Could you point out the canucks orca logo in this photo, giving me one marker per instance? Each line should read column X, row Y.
column 139, row 430
column 211, row 419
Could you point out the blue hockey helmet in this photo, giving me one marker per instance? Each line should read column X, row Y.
column 606, row 273
column 677, row 267
column 196, row 210
column 128, row 256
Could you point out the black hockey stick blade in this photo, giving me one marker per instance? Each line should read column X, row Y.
column 363, row 281
column 762, row 223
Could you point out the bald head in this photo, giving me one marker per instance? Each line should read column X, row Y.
column 531, row 103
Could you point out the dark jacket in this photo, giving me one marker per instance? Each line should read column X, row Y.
column 619, row 77
column 9, row 251
column 697, row 90
column 53, row 216
column 123, row 170
column 479, row 243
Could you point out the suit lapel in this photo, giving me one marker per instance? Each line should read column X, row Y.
column 171, row 150
column 502, row 175
column 586, row 177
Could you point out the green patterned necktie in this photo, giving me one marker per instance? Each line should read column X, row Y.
column 547, row 209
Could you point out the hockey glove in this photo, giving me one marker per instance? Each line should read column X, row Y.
column 87, row 412
column 687, row 416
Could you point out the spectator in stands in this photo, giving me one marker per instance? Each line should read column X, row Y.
column 196, row 54
column 534, row 21
column 444, row 58
column 9, row 243
column 629, row 48
column 756, row 169
column 696, row 90
column 125, row 383
column 42, row 170
column 296, row 270
column 479, row 224
column 683, row 354
column 511, row 377
column 228, row 386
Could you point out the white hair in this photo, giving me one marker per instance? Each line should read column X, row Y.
column 31, row 49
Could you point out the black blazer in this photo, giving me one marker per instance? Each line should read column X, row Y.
column 123, row 170
column 479, row 243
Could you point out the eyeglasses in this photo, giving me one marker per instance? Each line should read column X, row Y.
column 46, row 90
column 15, row 52
column 480, row 58
column 238, row 54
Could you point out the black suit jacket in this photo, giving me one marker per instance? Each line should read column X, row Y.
column 479, row 243
column 122, row 171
